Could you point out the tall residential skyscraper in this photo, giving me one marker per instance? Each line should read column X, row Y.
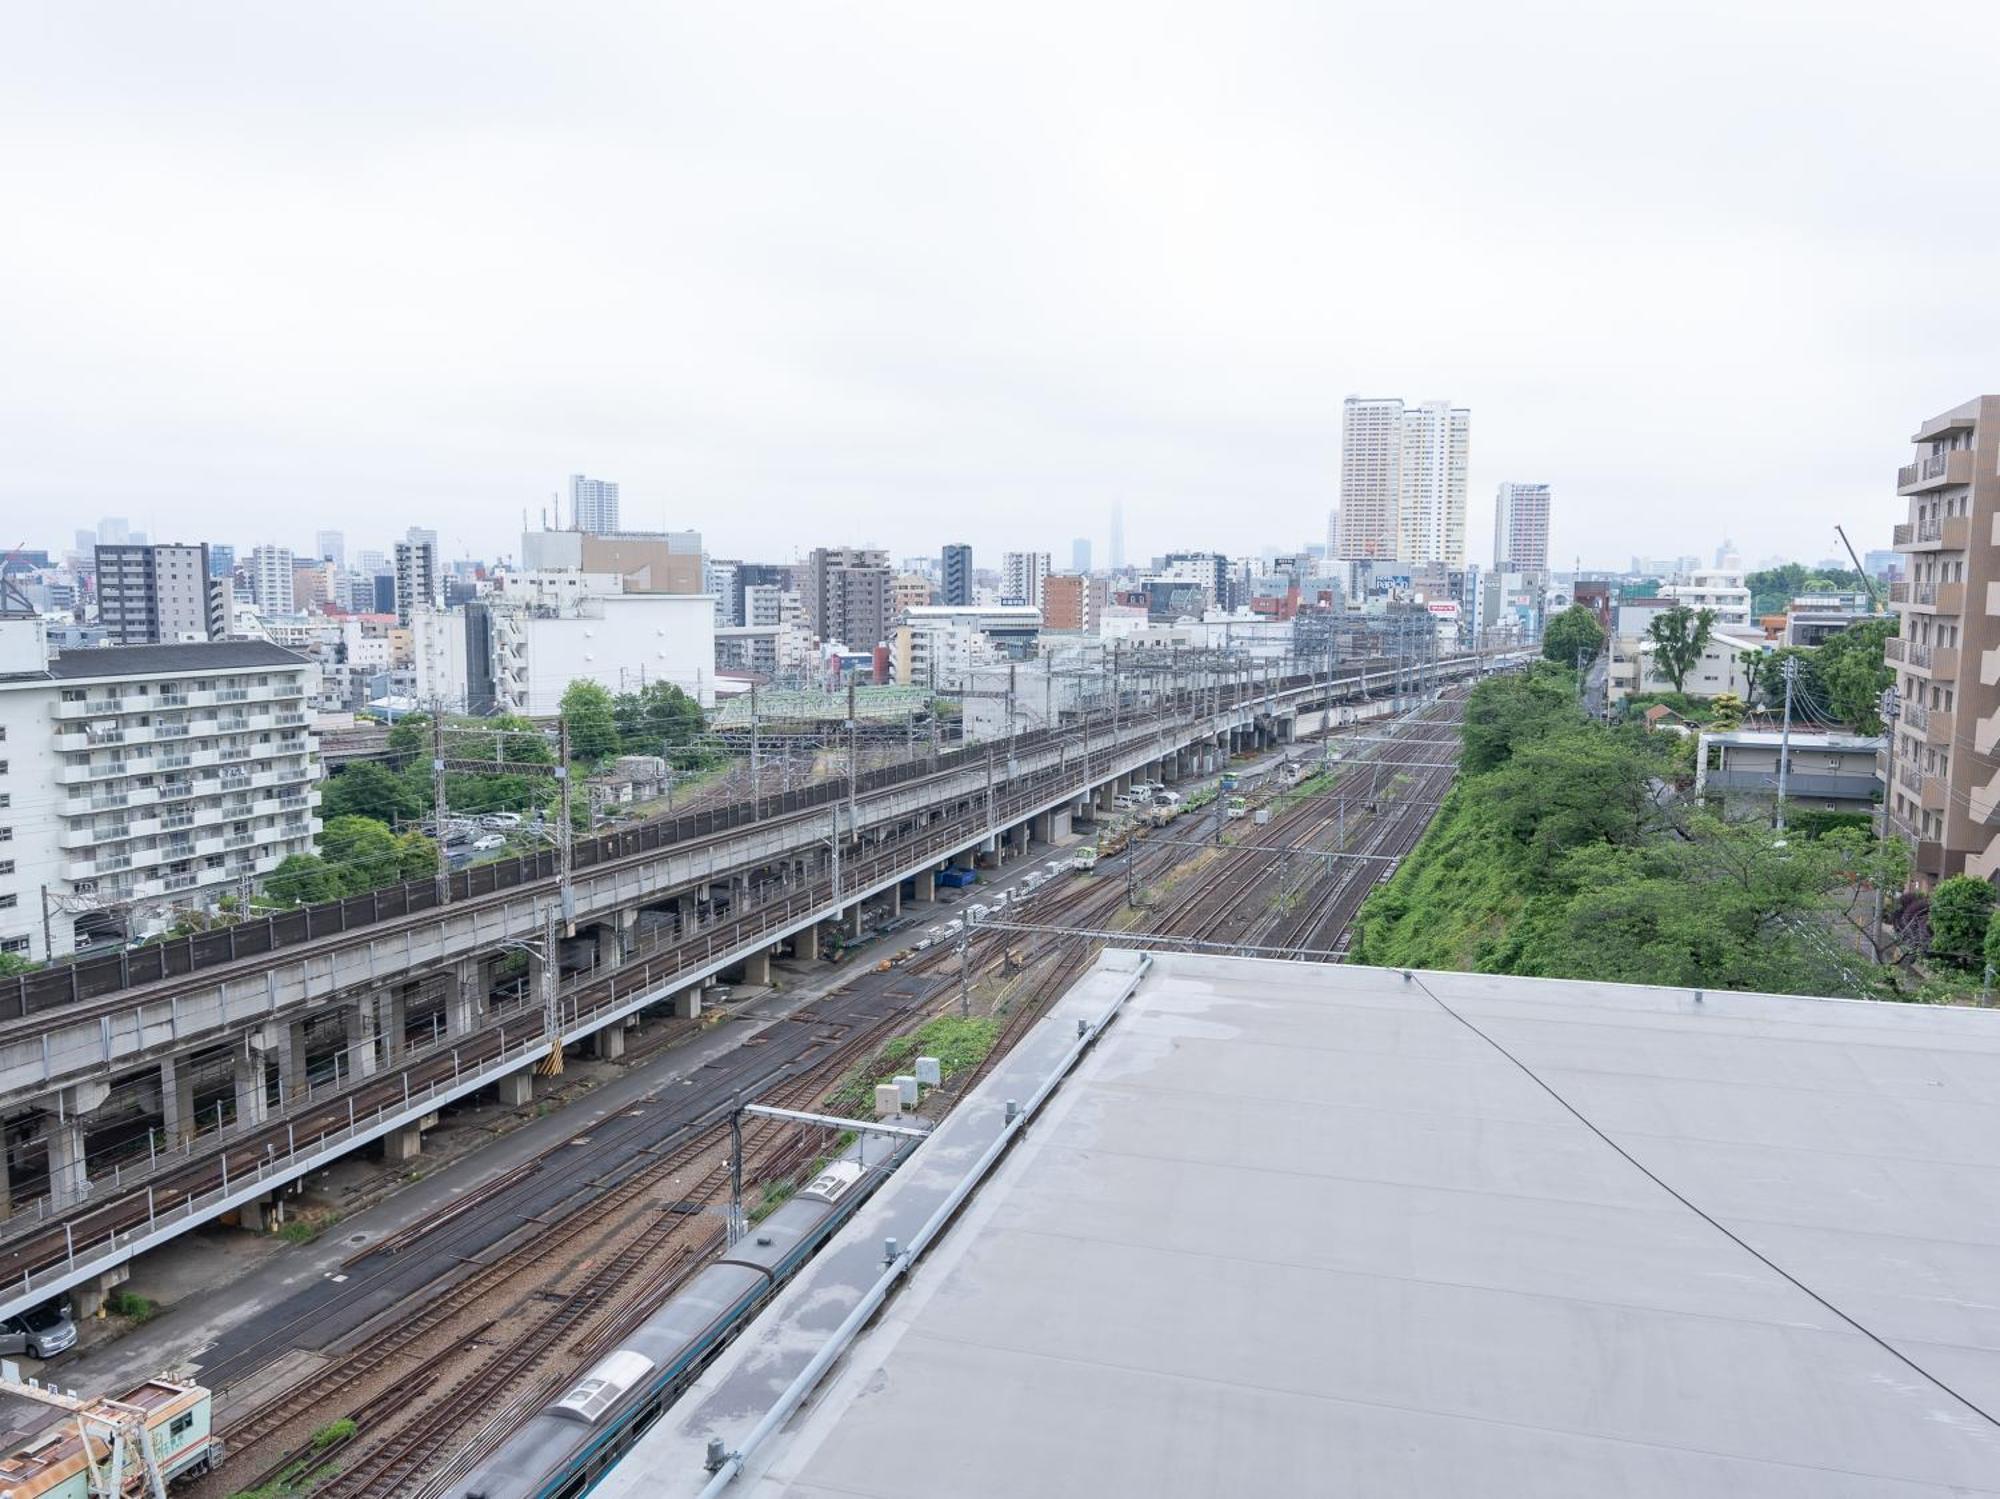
column 159, row 595
column 1079, row 555
column 847, row 594
column 1944, row 799
column 271, row 578
column 1021, row 577
column 1402, row 480
column 955, row 571
column 593, row 504
column 419, row 579
column 1521, row 528
column 330, row 546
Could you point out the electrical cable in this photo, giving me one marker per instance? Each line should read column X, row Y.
column 1861, row 1327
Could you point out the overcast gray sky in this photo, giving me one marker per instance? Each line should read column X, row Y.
column 908, row 273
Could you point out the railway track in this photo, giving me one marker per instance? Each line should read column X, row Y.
column 524, row 1353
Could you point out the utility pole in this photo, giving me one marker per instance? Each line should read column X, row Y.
column 437, row 802
column 756, row 758
column 1890, row 708
column 965, row 966
column 1791, row 675
column 552, row 1064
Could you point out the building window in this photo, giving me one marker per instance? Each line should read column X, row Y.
column 6, row 866
column 13, row 944
column 8, row 902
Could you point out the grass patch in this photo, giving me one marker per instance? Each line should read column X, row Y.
column 774, row 1196
column 305, row 1230
column 295, row 1482
column 130, row 1304
column 333, row 1431
column 959, row 1042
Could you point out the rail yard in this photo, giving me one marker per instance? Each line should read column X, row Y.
column 401, row 1374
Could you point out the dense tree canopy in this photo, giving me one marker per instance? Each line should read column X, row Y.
column 1679, row 637
column 593, row 728
column 1775, row 587
column 1573, row 636
column 1961, row 909
column 365, row 789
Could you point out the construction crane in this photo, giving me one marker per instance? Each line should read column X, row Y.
column 1867, row 582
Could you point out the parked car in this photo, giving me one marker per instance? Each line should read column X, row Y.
column 501, row 820
column 40, row 1332
column 487, row 843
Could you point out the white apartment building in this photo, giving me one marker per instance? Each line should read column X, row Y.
column 509, row 653
column 593, row 504
column 1720, row 589
column 145, row 779
column 1632, row 669
column 1521, row 528
column 419, row 580
column 1022, row 575
column 764, row 604
column 1402, row 480
column 271, row 579
column 939, row 646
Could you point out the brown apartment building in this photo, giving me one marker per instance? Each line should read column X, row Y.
column 1944, row 788
column 1073, row 601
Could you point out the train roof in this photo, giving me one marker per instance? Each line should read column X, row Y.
column 1305, row 1228
column 44, row 1446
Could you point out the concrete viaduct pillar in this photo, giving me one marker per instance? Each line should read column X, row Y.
column 757, row 967
column 177, row 1121
column 516, row 1088
column 924, row 886
column 608, row 1044
column 247, row 1072
column 465, row 1000
column 361, row 1036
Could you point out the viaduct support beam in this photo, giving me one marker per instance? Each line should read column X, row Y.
column 401, row 1145
column 757, row 967
column 516, row 1088
column 608, row 1045
column 68, row 1171
column 805, row 945
column 288, row 1041
column 924, row 886
column 392, row 1021
column 247, row 1072
column 895, row 900
column 361, row 1036
column 177, row 1120
column 465, row 1000
column 687, row 1003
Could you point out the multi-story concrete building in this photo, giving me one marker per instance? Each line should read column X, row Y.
column 1720, row 590
column 1943, row 795
column 1070, row 600
column 941, row 646
column 721, row 582
column 909, row 591
column 518, row 649
column 1209, row 571
column 1402, row 480
column 153, row 595
column 419, row 580
column 764, row 605
column 956, row 575
column 271, row 579
column 331, row 546
column 1021, row 577
column 846, row 593
column 1521, row 528
column 593, row 504
column 162, row 775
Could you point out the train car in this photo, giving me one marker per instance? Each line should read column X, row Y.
column 1085, row 858
column 174, row 1417
column 565, row 1448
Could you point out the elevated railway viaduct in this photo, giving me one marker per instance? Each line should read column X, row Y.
column 156, row 1089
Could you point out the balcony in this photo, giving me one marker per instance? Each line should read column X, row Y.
column 1910, row 779
column 1934, row 533
column 1938, row 661
column 1942, row 728
column 1942, row 598
column 1895, row 648
column 1899, row 591
column 232, row 694
column 171, row 731
column 1917, row 717
column 1939, row 471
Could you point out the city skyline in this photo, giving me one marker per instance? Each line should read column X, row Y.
column 265, row 352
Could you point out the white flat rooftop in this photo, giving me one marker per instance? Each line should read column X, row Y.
column 1296, row 1229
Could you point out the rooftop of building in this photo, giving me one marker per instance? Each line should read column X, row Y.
column 127, row 661
column 1308, row 1229
column 1813, row 739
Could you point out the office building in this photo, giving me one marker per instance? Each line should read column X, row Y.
column 1021, row 577
column 271, row 579
column 1521, row 528
column 593, row 504
column 1402, row 480
column 1943, row 794
column 1208, row 571
column 846, row 593
column 116, row 531
column 1079, row 555
column 154, row 595
column 955, row 573
column 418, row 582
column 160, row 773
column 221, row 561
column 941, row 646
column 331, row 546
column 720, row 582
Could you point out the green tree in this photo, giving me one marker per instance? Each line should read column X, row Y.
column 410, row 739
column 1992, row 943
column 1725, row 712
column 593, row 727
column 302, row 880
column 1679, row 637
column 1573, row 635
column 1503, row 712
column 660, row 719
column 365, row 789
column 1961, row 910
column 1753, row 665
column 1853, row 672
